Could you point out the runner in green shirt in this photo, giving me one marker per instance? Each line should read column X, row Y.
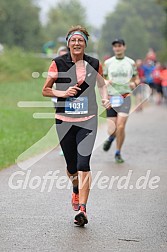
column 121, row 78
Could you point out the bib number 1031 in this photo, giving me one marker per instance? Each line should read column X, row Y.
column 76, row 105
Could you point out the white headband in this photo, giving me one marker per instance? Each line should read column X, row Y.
column 77, row 33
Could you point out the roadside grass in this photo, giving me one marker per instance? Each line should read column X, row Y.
column 17, row 65
column 19, row 130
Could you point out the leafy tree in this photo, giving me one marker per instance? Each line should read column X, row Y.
column 163, row 52
column 64, row 15
column 139, row 23
column 19, row 24
column 163, row 3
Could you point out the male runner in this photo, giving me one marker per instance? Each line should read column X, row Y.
column 122, row 78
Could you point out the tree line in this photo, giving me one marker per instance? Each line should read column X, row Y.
column 142, row 24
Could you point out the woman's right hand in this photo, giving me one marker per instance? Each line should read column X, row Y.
column 71, row 91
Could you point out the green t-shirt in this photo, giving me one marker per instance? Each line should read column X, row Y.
column 120, row 72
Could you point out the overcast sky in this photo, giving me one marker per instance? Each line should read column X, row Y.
column 96, row 9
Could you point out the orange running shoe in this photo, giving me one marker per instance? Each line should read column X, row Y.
column 75, row 201
column 81, row 218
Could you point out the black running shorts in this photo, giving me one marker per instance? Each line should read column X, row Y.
column 77, row 141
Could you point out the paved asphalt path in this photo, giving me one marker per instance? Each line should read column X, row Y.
column 120, row 220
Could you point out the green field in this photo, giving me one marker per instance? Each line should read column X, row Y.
column 19, row 130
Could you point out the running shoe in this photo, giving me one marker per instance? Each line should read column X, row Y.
column 107, row 145
column 75, row 201
column 118, row 158
column 81, row 218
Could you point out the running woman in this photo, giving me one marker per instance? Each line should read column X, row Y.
column 121, row 74
column 76, row 74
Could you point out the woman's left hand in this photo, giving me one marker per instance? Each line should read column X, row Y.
column 106, row 103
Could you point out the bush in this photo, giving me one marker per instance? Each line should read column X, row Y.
column 17, row 65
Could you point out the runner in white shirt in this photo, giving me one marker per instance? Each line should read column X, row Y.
column 121, row 78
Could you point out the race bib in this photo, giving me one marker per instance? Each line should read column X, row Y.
column 116, row 101
column 76, row 105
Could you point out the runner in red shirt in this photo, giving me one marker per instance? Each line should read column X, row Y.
column 157, row 82
column 164, row 82
column 139, row 91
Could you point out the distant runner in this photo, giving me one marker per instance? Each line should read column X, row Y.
column 122, row 78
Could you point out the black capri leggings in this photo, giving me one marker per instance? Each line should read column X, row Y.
column 77, row 141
